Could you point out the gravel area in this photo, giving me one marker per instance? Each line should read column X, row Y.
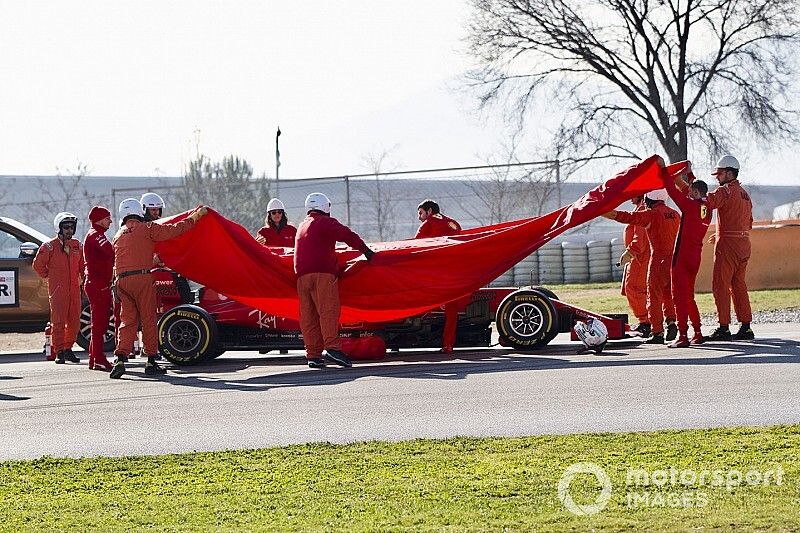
column 792, row 314
column 17, row 342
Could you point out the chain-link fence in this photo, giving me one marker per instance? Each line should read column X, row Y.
column 380, row 207
column 383, row 207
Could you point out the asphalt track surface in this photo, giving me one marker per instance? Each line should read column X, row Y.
column 243, row 400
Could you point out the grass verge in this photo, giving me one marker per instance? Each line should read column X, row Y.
column 453, row 484
column 605, row 298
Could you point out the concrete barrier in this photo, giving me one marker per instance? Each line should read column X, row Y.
column 774, row 260
column 774, row 263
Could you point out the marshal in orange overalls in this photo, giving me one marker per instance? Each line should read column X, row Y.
column 662, row 224
column 731, row 251
column 634, row 277
column 61, row 264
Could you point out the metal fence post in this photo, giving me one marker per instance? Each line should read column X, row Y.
column 347, row 195
column 558, row 181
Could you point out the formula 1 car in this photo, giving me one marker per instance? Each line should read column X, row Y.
column 196, row 326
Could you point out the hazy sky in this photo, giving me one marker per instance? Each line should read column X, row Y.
column 123, row 86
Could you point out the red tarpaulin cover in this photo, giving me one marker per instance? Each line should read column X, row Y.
column 404, row 278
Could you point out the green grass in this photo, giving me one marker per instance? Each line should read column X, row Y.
column 605, row 298
column 454, row 485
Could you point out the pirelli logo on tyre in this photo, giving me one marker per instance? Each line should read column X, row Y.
column 188, row 314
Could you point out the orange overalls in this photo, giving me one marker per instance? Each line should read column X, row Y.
column 61, row 264
column 662, row 224
column 731, row 251
column 134, row 245
column 634, row 277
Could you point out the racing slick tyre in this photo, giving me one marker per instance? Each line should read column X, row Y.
column 85, row 330
column 526, row 319
column 187, row 335
column 547, row 292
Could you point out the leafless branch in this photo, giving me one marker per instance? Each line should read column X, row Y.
column 657, row 69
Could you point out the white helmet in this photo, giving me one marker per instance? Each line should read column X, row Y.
column 728, row 161
column 658, row 194
column 62, row 217
column 130, row 207
column 151, row 199
column 318, row 201
column 593, row 333
column 275, row 205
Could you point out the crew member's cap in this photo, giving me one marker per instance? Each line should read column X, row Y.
column 98, row 213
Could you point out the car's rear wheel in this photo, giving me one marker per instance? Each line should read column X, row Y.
column 526, row 319
column 85, row 331
column 187, row 335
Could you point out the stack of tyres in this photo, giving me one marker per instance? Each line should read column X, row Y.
column 526, row 272
column 506, row 279
column 576, row 262
column 599, row 260
column 551, row 264
column 617, row 249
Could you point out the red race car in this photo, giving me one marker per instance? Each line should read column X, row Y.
column 196, row 326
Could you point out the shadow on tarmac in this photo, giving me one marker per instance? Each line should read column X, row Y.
column 9, row 397
column 428, row 365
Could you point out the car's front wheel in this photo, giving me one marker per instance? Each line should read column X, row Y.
column 526, row 319
column 187, row 335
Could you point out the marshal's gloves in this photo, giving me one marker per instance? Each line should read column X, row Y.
column 200, row 213
column 625, row 258
column 368, row 254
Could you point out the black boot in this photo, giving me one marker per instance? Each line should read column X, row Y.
column 722, row 333
column 151, row 368
column 745, row 333
column 337, row 357
column 119, row 367
column 657, row 338
column 70, row 356
column 60, row 357
column 643, row 328
column 672, row 331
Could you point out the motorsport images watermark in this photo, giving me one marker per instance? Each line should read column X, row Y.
column 671, row 487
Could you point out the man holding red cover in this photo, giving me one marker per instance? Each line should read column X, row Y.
column 634, row 278
column 317, row 280
column 435, row 224
column 695, row 219
column 662, row 224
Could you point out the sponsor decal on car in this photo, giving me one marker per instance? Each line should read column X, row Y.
column 9, row 288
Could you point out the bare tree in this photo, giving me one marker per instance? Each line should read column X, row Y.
column 227, row 186
column 380, row 203
column 509, row 191
column 4, row 188
column 67, row 192
column 69, row 187
column 635, row 74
